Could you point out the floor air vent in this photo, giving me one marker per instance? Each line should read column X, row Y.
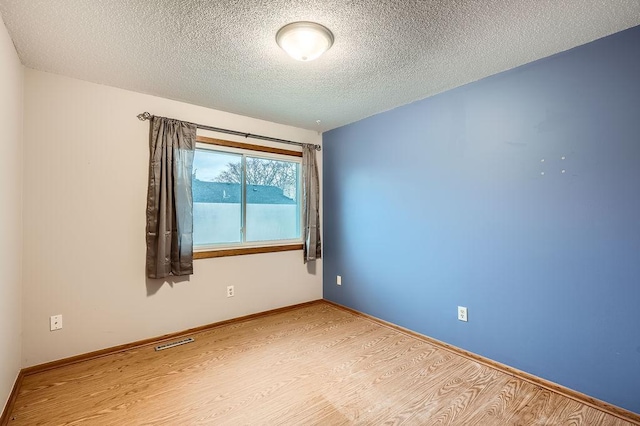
column 174, row 344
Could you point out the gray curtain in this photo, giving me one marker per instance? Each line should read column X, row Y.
column 169, row 199
column 312, row 247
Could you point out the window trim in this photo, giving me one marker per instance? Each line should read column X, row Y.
column 211, row 253
column 248, row 146
column 247, row 248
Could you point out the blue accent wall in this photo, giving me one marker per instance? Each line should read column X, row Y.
column 464, row 198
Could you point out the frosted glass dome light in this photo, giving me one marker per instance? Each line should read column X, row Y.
column 304, row 41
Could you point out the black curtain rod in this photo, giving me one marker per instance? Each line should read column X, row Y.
column 146, row 116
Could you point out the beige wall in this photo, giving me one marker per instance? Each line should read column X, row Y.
column 11, row 85
column 85, row 177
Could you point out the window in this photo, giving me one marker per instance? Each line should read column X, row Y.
column 246, row 199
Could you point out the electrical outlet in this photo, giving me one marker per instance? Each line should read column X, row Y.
column 55, row 322
column 338, row 280
column 462, row 313
column 230, row 291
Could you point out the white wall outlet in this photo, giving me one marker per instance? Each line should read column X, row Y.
column 462, row 313
column 231, row 291
column 55, row 322
column 338, row 280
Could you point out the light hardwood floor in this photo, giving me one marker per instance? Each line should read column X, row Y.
column 314, row 365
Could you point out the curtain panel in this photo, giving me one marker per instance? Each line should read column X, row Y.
column 169, row 198
column 312, row 247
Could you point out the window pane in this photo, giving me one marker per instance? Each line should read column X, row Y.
column 217, row 213
column 273, row 202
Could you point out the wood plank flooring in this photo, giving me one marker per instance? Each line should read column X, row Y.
column 314, row 365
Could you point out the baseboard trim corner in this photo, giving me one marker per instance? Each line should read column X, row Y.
column 8, row 408
column 580, row 397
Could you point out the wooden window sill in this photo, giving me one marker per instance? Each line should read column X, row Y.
column 244, row 250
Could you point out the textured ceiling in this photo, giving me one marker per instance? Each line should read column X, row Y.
column 223, row 55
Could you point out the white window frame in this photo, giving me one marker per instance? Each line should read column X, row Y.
column 228, row 249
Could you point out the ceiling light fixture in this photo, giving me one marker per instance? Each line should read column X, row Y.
column 304, row 41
